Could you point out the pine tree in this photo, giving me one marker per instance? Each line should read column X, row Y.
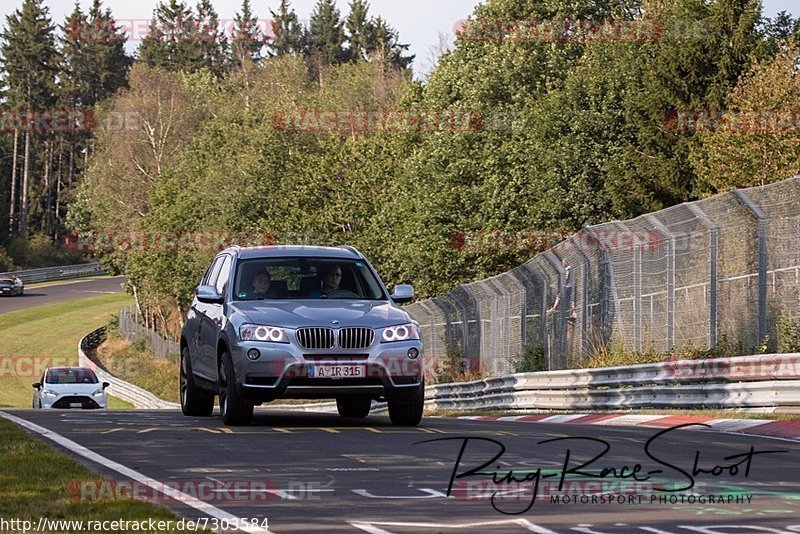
column 360, row 32
column 326, row 34
column 172, row 43
column 109, row 63
column 386, row 45
column 211, row 41
column 30, row 64
column 289, row 35
column 247, row 41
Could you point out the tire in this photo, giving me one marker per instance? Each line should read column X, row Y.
column 407, row 410
column 235, row 411
column 353, row 407
column 195, row 401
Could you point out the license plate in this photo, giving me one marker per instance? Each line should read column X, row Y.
column 337, row 371
column 75, row 405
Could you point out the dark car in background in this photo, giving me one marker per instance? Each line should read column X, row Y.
column 11, row 286
column 299, row 322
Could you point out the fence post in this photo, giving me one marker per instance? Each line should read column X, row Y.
column 637, row 286
column 662, row 228
column 759, row 214
column 714, row 279
column 560, row 314
column 542, row 279
column 578, row 247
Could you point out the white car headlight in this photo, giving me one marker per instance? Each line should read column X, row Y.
column 98, row 393
column 272, row 334
column 49, row 393
column 403, row 332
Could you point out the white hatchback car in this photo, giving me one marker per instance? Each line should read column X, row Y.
column 70, row 387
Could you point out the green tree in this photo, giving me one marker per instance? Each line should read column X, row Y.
column 247, row 41
column 360, row 32
column 289, row 36
column 326, row 36
column 756, row 141
column 172, row 42
column 212, row 42
column 29, row 67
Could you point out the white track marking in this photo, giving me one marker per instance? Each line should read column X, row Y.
column 207, row 509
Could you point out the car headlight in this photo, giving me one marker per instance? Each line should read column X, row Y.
column 400, row 333
column 50, row 393
column 273, row 334
column 98, row 393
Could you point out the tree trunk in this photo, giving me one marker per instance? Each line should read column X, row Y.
column 23, row 207
column 13, row 206
column 47, row 190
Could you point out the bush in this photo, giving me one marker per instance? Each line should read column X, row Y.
column 532, row 359
column 40, row 251
column 6, row 263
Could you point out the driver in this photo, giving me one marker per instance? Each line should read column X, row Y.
column 331, row 278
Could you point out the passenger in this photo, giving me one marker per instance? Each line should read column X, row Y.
column 261, row 287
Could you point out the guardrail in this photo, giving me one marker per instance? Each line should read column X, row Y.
column 63, row 272
column 764, row 383
column 126, row 391
column 768, row 383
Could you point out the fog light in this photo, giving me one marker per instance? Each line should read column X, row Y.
column 413, row 354
column 253, row 354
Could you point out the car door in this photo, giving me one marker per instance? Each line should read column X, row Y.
column 211, row 321
column 194, row 323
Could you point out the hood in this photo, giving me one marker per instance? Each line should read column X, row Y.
column 304, row 313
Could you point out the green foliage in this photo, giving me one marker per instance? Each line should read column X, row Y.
column 788, row 333
column 454, row 367
column 531, row 359
column 6, row 262
column 38, row 251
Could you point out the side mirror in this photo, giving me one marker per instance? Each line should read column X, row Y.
column 37, row 385
column 208, row 295
column 105, row 385
column 403, row 293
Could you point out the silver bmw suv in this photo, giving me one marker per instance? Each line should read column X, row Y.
column 299, row 322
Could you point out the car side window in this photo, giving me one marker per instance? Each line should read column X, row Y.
column 211, row 273
column 223, row 276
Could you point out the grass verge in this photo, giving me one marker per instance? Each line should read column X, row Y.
column 36, row 481
column 35, row 338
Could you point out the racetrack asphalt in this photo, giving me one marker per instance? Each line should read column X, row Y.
column 306, row 472
column 61, row 292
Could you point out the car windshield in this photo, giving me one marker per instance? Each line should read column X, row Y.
column 71, row 376
column 306, row 278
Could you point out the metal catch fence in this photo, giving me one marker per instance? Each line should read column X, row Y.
column 690, row 276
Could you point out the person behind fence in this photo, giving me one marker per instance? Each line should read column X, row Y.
column 566, row 292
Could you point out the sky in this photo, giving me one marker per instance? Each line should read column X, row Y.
column 420, row 22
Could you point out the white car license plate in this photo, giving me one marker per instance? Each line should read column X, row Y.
column 337, row 371
column 75, row 405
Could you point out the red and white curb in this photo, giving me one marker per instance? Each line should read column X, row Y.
column 753, row 427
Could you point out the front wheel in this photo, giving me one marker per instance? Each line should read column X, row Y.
column 235, row 410
column 407, row 410
column 194, row 401
column 353, row 407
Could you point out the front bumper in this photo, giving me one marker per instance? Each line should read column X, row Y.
column 67, row 402
column 282, row 371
